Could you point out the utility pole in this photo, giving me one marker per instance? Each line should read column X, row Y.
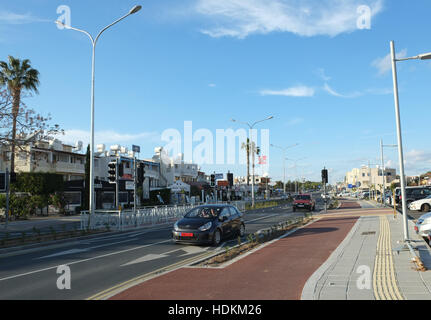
column 117, row 184
column 134, row 182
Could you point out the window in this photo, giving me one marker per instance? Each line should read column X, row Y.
column 225, row 212
column 73, row 198
column 233, row 211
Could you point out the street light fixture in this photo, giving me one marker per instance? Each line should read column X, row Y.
column 94, row 42
column 284, row 163
column 425, row 56
column 296, row 174
column 253, row 151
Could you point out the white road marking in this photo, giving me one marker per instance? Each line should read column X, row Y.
column 82, row 250
column 148, row 257
column 84, row 260
column 190, row 250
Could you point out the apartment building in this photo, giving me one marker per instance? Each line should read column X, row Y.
column 49, row 156
column 365, row 177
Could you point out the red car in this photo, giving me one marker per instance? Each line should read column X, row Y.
column 304, row 201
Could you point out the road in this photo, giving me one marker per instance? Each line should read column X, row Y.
column 101, row 262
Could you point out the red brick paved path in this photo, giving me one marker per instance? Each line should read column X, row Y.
column 350, row 205
column 277, row 272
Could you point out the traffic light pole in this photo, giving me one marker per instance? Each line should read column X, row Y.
column 134, row 182
column 117, row 184
column 324, row 192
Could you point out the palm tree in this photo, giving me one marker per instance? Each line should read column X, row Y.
column 249, row 147
column 246, row 146
column 17, row 76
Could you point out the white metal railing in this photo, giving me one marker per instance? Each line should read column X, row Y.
column 126, row 219
column 147, row 216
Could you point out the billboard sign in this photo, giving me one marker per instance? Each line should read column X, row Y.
column 136, row 149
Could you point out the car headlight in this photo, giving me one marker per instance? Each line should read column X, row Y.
column 176, row 226
column 420, row 221
column 206, row 226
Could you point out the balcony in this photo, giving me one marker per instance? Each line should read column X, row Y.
column 59, row 167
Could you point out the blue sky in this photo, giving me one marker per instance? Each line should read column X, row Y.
column 326, row 83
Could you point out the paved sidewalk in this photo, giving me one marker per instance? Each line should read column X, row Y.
column 367, row 267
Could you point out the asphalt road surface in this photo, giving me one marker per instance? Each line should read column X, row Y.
column 104, row 261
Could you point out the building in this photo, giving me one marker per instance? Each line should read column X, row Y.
column 258, row 180
column 365, row 177
column 49, row 156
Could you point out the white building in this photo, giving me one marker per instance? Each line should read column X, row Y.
column 48, row 156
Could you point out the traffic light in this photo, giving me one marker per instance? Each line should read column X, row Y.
column 212, row 180
column 324, row 176
column 230, row 179
column 112, row 170
column 141, row 174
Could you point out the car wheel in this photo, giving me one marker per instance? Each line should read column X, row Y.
column 241, row 230
column 217, row 237
column 426, row 208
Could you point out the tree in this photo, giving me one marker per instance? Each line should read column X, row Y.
column 17, row 76
column 246, row 146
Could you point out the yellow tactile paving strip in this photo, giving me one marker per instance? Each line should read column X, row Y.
column 384, row 282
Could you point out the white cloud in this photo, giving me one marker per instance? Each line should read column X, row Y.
column 415, row 162
column 109, row 137
column 322, row 75
column 298, row 91
column 334, row 93
column 212, row 85
column 390, row 164
column 384, row 65
column 418, row 156
column 15, row 18
column 241, row 18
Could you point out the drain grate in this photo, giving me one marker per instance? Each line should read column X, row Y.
column 368, row 233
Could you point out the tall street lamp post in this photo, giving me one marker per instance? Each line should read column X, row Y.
column 425, row 56
column 252, row 151
column 296, row 178
column 284, row 163
column 93, row 63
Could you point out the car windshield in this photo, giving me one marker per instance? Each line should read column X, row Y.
column 302, row 197
column 429, row 197
column 204, row 212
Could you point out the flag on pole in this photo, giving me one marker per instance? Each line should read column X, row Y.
column 262, row 160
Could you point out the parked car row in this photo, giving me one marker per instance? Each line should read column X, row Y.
column 412, row 194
